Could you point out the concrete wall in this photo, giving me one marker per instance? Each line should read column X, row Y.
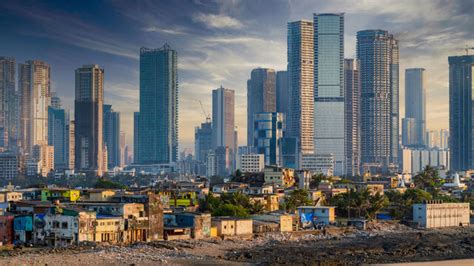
column 441, row 214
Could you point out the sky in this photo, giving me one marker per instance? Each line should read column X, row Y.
column 219, row 43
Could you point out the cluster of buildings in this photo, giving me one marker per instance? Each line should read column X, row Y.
column 55, row 216
column 325, row 113
column 38, row 136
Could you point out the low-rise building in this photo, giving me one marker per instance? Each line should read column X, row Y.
column 284, row 222
column 318, row 163
column 284, row 177
column 108, row 229
column 231, row 226
column 434, row 214
column 6, row 229
column 314, row 215
column 251, row 163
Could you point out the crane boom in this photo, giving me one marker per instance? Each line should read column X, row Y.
column 206, row 115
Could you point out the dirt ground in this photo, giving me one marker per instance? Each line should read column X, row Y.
column 381, row 244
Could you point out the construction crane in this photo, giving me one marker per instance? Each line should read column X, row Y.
column 206, row 115
column 467, row 49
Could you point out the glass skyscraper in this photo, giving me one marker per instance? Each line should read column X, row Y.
column 158, row 117
column 112, row 136
column 261, row 96
column 461, row 85
column 8, row 104
column 267, row 136
column 88, row 115
column 301, row 83
column 58, row 136
column 329, row 134
column 415, row 102
column 283, row 95
column 377, row 52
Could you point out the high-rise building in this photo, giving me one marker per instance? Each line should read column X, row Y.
column 329, row 134
column 158, row 118
column 283, row 94
column 55, row 100
column 461, row 85
column 409, row 132
column 223, row 118
column 261, row 96
column 88, row 117
column 136, row 137
column 415, row 102
column 444, row 139
column 377, row 52
column 202, row 141
column 71, row 144
column 58, row 136
column 289, row 154
column 111, row 134
column 352, row 111
column 35, row 88
column 268, row 132
column 44, row 155
column 123, row 145
column 8, row 108
column 9, row 166
column 301, row 83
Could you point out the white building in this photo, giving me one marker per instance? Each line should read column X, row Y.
column 435, row 214
column 251, row 163
column 318, row 163
column 415, row 160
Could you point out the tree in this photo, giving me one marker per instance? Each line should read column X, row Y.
column 400, row 205
column 315, row 180
column 238, row 173
column 296, row 198
column 428, row 179
column 104, row 183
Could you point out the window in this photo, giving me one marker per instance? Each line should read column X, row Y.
column 64, row 225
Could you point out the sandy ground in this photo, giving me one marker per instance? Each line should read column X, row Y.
column 383, row 245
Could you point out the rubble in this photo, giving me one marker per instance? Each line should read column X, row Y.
column 382, row 243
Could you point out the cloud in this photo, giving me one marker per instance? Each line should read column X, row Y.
column 218, row 21
column 163, row 30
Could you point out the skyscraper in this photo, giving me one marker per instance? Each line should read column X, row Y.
column 377, row 52
column 301, row 83
column 122, row 149
column 267, row 136
column 261, row 96
column 88, row 117
column 71, row 144
column 35, row 88
column 409, row 132
column 111, row 134
column 461, row 85
column 223, row 118
column 415, row 102
column 352, row 111
column 58, row 136
column 202, row 141
column 8, row 121
column 329, row 135
column 136, row 132
column 158, row 118
column 444, row 139
column 282, row 94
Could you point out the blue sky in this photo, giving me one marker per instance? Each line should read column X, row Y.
column 219, row 43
